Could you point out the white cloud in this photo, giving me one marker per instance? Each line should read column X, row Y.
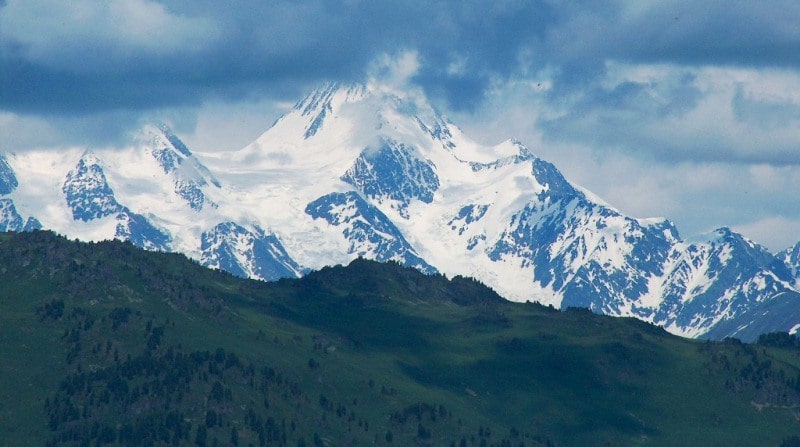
column 21, row 133
column 457, row 66
column 54, row 33
column 222, row 126
column 675, row 113
column 394, row 71
column 775, row 232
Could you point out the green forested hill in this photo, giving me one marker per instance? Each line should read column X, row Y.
column 104, row 344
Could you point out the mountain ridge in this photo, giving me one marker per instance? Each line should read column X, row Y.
column 368, row 171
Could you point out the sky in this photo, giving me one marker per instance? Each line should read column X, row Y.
column 685, row 110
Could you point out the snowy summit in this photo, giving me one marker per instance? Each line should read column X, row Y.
column 369, row 171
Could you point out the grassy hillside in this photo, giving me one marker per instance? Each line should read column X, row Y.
column 104, row 344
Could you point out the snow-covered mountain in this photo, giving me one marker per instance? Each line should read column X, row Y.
column 368, row 171
column 791, row 259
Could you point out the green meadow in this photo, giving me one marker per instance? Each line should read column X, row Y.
column 105, row 344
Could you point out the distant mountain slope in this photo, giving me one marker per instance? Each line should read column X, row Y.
column 247, row 253
column 106, row 344
column 367, row 171
column 156, row 194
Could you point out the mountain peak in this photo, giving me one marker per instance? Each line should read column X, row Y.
column 323, row 97
column 8, row 181
column 87, row 191
column 726, row 235
column 188, row 175
column 321, row 102
column 174, row 140
column 373, row 105
column 374, row 171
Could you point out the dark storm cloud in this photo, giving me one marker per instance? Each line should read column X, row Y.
column 694, row 33
column 245, row 47
column 746, row 33
column 86, row 57
column 257, row 47
column 773, row 114
column 28, row 88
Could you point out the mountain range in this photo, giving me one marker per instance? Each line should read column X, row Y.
column 369, row 171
